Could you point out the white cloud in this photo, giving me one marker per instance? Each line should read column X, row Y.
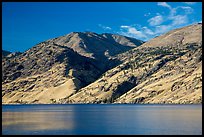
column 108, row 28
column 136, row 32
column 147, row 14
column 159, row 24
column 104, row 27
column 190, row 3
column 148, row 31
column 187, row 9
column 164, row 4
column 132, row 32
column 179, row 19
column 173, row 17
column 172, row 12
column 124, row 26
column 157, row 20
column 162, row 29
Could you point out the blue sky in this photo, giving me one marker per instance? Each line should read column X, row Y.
column 24, row 24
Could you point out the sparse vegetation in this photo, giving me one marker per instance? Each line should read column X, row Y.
column 162, row 71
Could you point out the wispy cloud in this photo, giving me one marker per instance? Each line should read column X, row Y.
column 132, row 32
column 179, row 19
column 162, row 29
column 157, row 20
column 147, row 31
column 175, row 19
column 178, row 16
column 104, row 27
column 164, row 4
column 190, row 3
column 187, row 9
column 147, row 14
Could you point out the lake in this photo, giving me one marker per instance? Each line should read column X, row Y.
column 102, row 119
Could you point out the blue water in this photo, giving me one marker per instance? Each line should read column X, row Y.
column 102, row 119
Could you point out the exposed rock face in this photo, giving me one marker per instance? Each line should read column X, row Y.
column 152, row 73
column 57, row 68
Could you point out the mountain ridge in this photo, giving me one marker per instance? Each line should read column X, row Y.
column 166, row 69
column 52, row 65
column 150, row 65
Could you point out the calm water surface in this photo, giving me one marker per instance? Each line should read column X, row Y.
column 102, row 119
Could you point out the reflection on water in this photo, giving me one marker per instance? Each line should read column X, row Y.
column 37, row 120
column 102, row 119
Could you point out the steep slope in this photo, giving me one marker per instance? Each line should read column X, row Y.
column 44, row 68
column 166, row 69
column 97, row 46
column 54, row 69
column 178, row 81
